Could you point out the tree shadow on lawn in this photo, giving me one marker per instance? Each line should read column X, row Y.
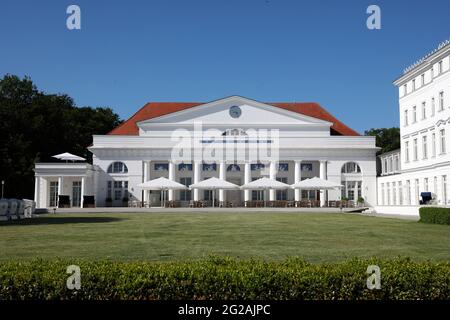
column 58, row 220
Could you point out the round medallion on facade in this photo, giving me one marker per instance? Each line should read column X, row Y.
column 235, row 112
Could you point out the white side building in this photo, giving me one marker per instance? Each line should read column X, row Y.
column 423, row 162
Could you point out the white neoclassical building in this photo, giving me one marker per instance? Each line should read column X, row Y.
column 422, row 164
column 234, row 138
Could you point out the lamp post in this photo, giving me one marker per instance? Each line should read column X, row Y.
column 3, row 187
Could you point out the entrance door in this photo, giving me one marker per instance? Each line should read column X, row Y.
column 76, row 193
column 156, row 197
column 235, row 196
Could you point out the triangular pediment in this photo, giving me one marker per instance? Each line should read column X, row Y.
column 234, row 111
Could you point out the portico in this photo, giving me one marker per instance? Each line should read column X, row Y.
column 52, row 180
column 289, row 171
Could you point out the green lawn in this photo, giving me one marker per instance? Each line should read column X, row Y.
column 317, row 237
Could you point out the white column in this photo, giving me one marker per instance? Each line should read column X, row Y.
column 297, row 178
column 323, row 175
column 95, row 179
column 60, row 188
column 37, row 193
column 60, row 185
column 247, row 179
column 172, row 178
column 83, row 182
column 144, row 178
column 196, row 168
column 222, row 175
column 272, row 175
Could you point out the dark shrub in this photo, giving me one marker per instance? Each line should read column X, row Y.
column 225, row 278
column 435, row 215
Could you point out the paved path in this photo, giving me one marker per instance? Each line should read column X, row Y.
column 224, row 210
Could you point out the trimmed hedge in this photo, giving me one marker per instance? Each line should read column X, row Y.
column 224, row 278
column 435, row 215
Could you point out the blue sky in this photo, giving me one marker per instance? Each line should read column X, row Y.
column 131, row 52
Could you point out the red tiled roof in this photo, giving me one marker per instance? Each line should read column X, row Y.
column 157, row 109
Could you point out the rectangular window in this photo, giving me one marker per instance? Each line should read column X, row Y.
column 257, row 166
column 119, row 190
column 394, row 193
column 422, row 79
column 406, row 118
column 415, row 151
column 414, row 84
column 53, row 200
column 258, row 195
column 209, row 167
column 397, row 164
column 391, row 167
column 405, row 91
column 444, row 190
column 424, row 110
column 400, row 193
column 433, row 107
column 125, row 186
column 425, row 184
column 408, row 192
column 424, row 147
column 109, row 190
column 76, row 193
column 388, row 193
column 442, row 134
column 283, row 166
column 382, row 194
column 282, row 194
column 416, row 194
column 161, row 167
column 435, row 188
column 406, row 151
column 414, row 119
column 185, row 195
column 185, row 167
column 433, row 144
column 440, row 70
column 441, row 100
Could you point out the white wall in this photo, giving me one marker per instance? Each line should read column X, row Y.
column 425, row 127
column 398, row 210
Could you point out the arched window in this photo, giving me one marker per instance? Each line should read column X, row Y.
column 233, row 168
column 117, row 167
column 351, row 179
column 351, row 167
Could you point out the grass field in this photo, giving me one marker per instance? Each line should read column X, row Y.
column 317, row 237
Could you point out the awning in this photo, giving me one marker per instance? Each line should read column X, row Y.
column 214, row 184
column 68, row 157
column 161, row 184
column 316, row 184
column 265, row 184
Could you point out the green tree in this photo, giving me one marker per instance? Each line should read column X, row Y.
column 387, row 139
column 35, row 125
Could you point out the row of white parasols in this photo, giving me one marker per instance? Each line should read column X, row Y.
column 220, row 184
